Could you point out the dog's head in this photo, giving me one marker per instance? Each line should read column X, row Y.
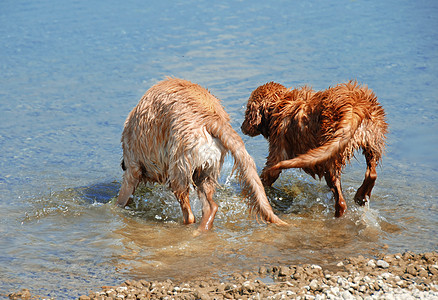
column 259, row 108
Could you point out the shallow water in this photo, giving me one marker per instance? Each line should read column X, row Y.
column 71, row 72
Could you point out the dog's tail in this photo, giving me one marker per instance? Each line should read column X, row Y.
column 250, row 181
column 337, row 143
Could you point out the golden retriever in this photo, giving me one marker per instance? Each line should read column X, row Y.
column 179, row 134
column 318, row 132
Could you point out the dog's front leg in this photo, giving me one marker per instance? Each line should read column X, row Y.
column 268, row 176
column 276, row 154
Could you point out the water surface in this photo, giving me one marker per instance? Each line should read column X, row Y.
column 72, row 71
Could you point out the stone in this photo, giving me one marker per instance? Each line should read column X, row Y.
column 111, row 293
column 433, row 270
column 314, row 285
column 200, row 294
column 144, row 283
column 347, row 295
column 248, row 286
column 429, row 257
column 121, row 289
column 382, row 264
column 284, row 271
column 24, row 294
column 371, row 263
column 411, row 270
column 319, row 297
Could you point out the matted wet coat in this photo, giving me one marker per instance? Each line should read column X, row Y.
column 318, row 132
column 179, row 134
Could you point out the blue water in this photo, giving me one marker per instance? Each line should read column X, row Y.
column 71, row 71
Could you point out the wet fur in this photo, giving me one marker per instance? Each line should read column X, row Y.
column 179, row 134
column 318, row 132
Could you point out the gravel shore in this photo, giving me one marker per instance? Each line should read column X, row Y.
column 397, row 276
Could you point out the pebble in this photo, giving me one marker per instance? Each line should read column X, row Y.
column 398, row 276
column 347, row 295
column 371, row 263
column 382, row 264
column 314, row 285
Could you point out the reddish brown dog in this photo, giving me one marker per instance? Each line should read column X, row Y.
column 179, row 134
column 318, row 132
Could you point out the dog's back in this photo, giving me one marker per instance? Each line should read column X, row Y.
column 165, row 137
column 325, row 128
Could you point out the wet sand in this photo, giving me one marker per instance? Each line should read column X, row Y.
column 397, row 276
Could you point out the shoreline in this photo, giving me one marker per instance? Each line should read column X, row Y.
column 397, row 276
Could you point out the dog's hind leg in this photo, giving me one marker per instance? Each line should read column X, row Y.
column 368, row 183
column 209, row 208
column 184, row 202
column 334, row 182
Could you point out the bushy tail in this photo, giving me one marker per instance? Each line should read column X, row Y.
column 337, row 143
column 250, row 181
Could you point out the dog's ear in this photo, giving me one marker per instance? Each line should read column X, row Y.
column 253, row 118
column 253, row 114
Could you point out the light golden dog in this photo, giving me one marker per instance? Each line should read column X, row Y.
column 318, row 132
column 179, row 134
